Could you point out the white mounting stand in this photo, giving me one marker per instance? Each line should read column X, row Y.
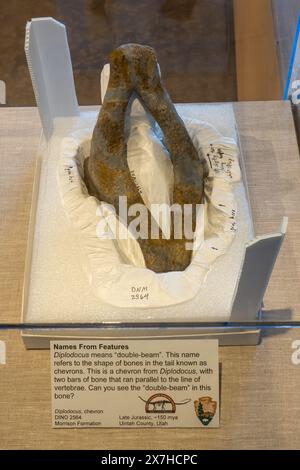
column 50, row 66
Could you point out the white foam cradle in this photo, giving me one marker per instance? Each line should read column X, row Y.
column 50, row 66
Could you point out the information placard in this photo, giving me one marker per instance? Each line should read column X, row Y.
column 135, row 383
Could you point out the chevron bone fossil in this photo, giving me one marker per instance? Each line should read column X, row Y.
column 134, row 71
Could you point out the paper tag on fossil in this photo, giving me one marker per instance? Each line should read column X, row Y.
column 135, row 383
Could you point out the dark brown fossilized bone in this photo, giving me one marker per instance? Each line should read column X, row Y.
column 134, row 70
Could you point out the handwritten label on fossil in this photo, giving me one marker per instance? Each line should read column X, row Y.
column 135, row 383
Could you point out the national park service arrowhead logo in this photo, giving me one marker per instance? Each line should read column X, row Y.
column 205, row 409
